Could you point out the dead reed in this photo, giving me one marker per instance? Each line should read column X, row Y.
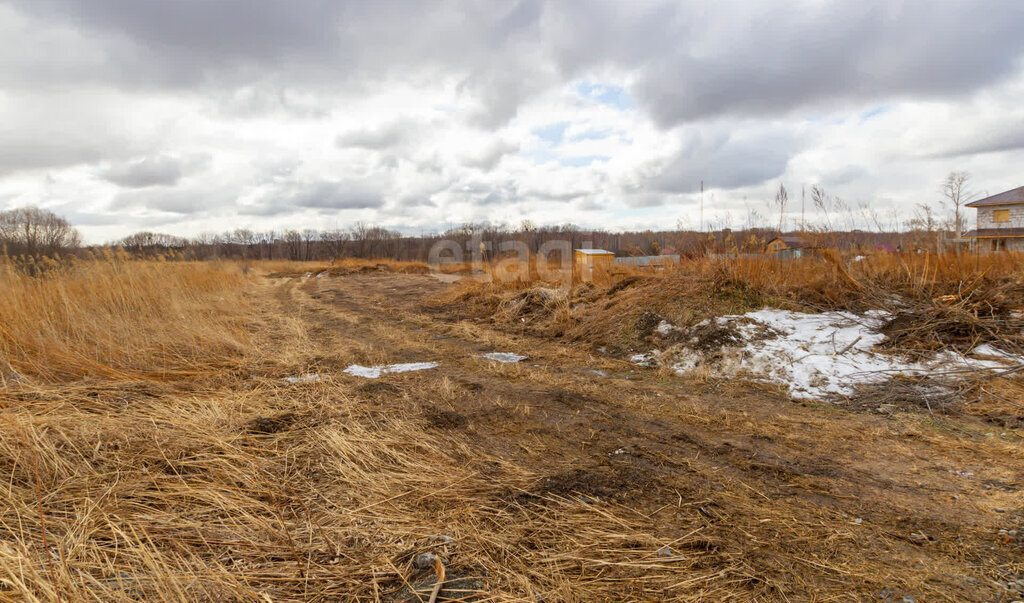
column 117, row 317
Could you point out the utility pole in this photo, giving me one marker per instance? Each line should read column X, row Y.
column 803, row 204
column 701, row 206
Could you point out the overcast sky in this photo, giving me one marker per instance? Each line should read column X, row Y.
column 186, row 116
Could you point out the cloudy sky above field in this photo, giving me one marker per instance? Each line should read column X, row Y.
column 188, row 116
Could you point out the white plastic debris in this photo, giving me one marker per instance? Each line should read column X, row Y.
column 374, row 372
column 307, row 378
column 665, row 328
column 505, row 357
column 644, row 359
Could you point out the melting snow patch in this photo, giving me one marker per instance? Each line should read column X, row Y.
column 505, row 357
column 322, row 274
column 814, row 355
column 307, row 378
column 307, row 275
column 988, row 350
column 373, row 372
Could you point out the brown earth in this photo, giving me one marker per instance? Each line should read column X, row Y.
column 752, row 494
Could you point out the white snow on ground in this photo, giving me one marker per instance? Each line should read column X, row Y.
column 814, row 355
column 373, row 372
column 307, row 378
column 506, row 357
column 322, row 274
column 989, row 350
column 307, row 275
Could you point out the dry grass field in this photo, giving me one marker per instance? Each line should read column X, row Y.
column 187, row 431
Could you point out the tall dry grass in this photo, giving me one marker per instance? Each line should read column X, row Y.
column 117, row 317
column 838, row 282
column 947, row 292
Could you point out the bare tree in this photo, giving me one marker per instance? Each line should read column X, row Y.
column 956, row 189
column 293, row 244
column 308, row 237
column 333, row 242
column 925, row 227
column 37, row 232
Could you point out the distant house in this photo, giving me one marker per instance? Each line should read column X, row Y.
column 586, row 261
column 787, row 247
column 1000, row 222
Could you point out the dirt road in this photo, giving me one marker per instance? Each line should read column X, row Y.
column 719, row 488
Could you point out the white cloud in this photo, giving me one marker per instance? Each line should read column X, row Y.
column 215, row 114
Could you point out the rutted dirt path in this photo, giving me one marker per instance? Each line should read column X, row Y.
column 793, row 500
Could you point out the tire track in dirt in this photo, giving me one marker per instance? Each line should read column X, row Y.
column 401, row 306
column 625, row 439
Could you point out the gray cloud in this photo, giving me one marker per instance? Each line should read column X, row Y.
column 365, row 193
column 725, row 160
column 184, row 201
column 692, row 60
column 378, row 138
column 160, row 170
column 773, row 58
column 1010, row 138
column 17, row 155
column 279, row 93
column 488, row 157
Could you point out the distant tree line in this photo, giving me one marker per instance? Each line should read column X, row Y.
column 36, row 233
column 364, row 241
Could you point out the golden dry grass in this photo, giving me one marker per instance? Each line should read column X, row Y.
column 605, row 311
column 116, row 317
column 133, row 472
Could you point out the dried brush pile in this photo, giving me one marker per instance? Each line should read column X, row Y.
column 957, row 302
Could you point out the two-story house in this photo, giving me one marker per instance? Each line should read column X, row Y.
column 1000, row 225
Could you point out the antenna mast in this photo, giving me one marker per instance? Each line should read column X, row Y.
column 803, row 204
